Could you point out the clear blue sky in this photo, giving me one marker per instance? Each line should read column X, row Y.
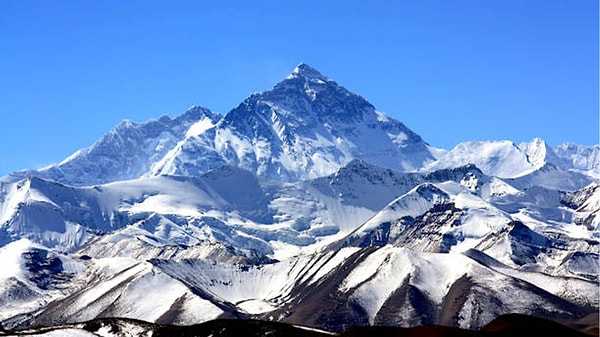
column 451, row 70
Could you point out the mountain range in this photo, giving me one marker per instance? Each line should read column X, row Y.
column 304, row 205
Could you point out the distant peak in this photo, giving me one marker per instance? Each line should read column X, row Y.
column 308, row 72
column 538, row 142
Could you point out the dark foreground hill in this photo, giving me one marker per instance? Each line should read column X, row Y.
column 513, row 325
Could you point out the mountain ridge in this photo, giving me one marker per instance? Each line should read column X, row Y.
column 301, row 128
column 263, row 135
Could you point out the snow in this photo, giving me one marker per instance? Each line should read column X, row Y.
column 285, row 251
column 501, row 159
column 415, row 202
column 159, row 194
column 438, row 272
column 345, row 217
column 315, row 330
column 497, row 188
column 12, row 260
column 253, row 306
column 381, row 273
column 255, row 289
column 335, row 261
column 592, row 204
column 306, row 71
column 536, row 152
column 15, row 195
column 124, row 329
column 465, row 314
column 480, row 219
column 585, row 159
column 196, row 310
column 70, row 158
column 199, row 128
column 288, row 133
column 20, row 293
column 128, row 288
column 66, row 332
column 97, row 294
column 504, row 159
column 150, row 303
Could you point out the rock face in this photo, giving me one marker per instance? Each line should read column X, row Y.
column 304, row 205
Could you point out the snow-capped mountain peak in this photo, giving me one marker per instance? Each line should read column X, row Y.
column 306, row 126
column 312, row 92
column 305, row 71
column 536, row 151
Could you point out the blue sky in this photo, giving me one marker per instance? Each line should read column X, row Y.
column 451, row 70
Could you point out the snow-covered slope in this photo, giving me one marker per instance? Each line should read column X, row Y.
column 268, row 219
column 258, row 253
column 113, row 285
column 333, row 290
column 31, row 277
column 173, row 211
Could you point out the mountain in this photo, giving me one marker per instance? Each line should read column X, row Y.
column 302, row 205
column 504, row 159
column 126, row 152
column 307, row 126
